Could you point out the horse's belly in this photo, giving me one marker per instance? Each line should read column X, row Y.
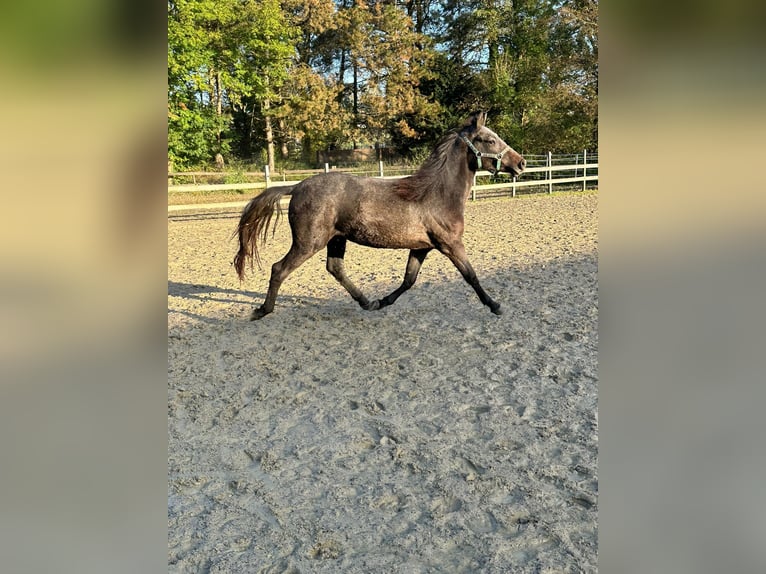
column 387, row 238
column 369, row 220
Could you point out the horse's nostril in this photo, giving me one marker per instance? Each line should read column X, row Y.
column 522, row 163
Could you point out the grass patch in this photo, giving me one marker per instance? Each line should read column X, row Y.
column 200, row 197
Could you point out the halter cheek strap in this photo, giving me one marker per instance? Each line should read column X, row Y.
column 496, row 156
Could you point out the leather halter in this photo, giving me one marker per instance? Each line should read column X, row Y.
column 496, row 156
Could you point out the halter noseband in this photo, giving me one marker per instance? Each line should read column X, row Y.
column 496, row 156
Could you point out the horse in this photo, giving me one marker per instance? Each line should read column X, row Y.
column 422, row 212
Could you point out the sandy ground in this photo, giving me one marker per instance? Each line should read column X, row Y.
column 431, row 436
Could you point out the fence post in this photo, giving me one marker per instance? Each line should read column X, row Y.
column 584, row 168
column 513, row 189
column 327, row 167
column 380, row 167
column 267, row 175
column 550, row 173
column 473, row 188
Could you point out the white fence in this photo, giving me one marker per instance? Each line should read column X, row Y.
column 543, row 172
column 547, row 171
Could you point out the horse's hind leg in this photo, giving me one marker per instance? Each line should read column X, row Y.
column 279, row 272
column 336, row 249
column 414, row 261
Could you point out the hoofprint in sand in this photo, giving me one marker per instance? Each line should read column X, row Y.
column 430, row 436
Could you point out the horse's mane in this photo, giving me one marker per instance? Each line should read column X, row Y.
column 430, row 177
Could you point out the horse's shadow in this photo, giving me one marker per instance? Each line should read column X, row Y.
column 211, row 293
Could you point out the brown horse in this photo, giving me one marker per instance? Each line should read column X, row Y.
column 420, row 213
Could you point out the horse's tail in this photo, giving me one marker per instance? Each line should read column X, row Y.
column 254, row 224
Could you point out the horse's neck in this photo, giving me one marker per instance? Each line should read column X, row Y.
column 457, row 184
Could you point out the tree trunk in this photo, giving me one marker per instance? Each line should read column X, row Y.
column 218, row 95
column 492, row 49
column 217, row 99
column 251, row 132
column 284, row 152
column 416, row 12
column 269, row 135
column 342, row 70
column 356, row 100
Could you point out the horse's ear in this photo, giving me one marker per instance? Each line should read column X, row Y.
column 475, row 121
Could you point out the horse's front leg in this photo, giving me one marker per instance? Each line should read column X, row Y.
column 456, row 253
column 414, row 261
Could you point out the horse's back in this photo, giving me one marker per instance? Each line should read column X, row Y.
column 334, row 184
column 340, row 193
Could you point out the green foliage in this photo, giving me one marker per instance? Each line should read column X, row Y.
column 313, row 110
column 418, row 154
column 223, row 56
column 192, row 137
column 324, row 73
column 533, row 64
column 236, row 177
column 391, row 60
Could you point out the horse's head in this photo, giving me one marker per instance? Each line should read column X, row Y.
column 486, row 150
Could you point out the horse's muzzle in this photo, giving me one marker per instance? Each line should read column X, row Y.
column 518, row 166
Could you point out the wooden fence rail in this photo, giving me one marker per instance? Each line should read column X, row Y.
column 570, row 173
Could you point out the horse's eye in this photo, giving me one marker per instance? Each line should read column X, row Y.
column 491, row 141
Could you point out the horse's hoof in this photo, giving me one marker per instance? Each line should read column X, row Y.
column 258, row 313
column 372, row 305
column 496, row 309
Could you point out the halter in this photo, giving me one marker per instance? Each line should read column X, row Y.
column 496, row 156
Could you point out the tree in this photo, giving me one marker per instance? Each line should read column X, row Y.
column 270, row 50
column 376, row 60
column 313, row 110
column 193, row 127
column 532, row 63
column 388, row 61
column 224, row 56
column 313, row 113
column 250, row 76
